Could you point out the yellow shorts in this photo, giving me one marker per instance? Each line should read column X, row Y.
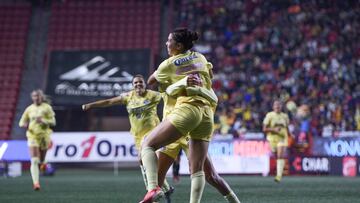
column 42, row 142
column 197, row 121
column 173, row 149
column 277, row 141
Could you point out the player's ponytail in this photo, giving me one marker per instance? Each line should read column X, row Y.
column 185, row 37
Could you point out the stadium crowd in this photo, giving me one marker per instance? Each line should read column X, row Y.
column 305, row 52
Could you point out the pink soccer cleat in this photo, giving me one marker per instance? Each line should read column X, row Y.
column 153, row 195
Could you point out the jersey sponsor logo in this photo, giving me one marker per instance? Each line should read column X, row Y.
column 180, row 61
column 195, row 67
column 137, row 111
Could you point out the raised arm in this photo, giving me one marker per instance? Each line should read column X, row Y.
column 104, row 103
column 152, row 80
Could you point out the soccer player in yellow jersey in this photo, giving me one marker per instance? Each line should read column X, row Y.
column 192, row 115
column 275, row 126
column 37, row 119
column 141, row 105
column 169, row 153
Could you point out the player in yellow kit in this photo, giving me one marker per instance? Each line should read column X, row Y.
column 169, row 153
column 191, row 116
column 38, row 118
column 141, row 105
column 275, row 126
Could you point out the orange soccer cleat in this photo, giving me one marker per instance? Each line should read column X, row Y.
column 43, row 167
column 153, row 195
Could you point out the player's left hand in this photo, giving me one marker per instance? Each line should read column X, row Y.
column 85, row 107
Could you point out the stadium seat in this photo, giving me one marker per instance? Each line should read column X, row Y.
column 14, row 20
column 89, row 25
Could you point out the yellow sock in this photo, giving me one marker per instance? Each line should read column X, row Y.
column 197, row 186
column 232, row 198
column 149, row 160
column 280, row 163
column 34, row 169
column 143, row 173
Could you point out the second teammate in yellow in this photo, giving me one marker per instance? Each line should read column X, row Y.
column 141, row 105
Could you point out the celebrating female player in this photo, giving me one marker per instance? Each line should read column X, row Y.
column 192, row 115
column 141, row 105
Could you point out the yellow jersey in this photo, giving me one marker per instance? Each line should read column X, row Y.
column 33, row 112
column 273, row 120
column 169, row 104
column 177, row 67
column 142, row 111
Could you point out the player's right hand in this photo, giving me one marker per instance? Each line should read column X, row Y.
column 84, row 107
column 194, row 80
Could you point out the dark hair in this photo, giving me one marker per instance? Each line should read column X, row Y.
column 138, row 76
column 185, row 37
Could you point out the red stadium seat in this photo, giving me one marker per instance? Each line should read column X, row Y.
column 100, row 24
column 14, row 20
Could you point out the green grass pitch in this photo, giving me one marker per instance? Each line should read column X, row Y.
column 80, row 185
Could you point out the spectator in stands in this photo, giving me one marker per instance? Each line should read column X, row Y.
column 261, row 49
column 38, row 118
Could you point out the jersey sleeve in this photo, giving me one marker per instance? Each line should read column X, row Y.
column 177, row 87
column 162, row 74
column 24, row 118
column 267, row 119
